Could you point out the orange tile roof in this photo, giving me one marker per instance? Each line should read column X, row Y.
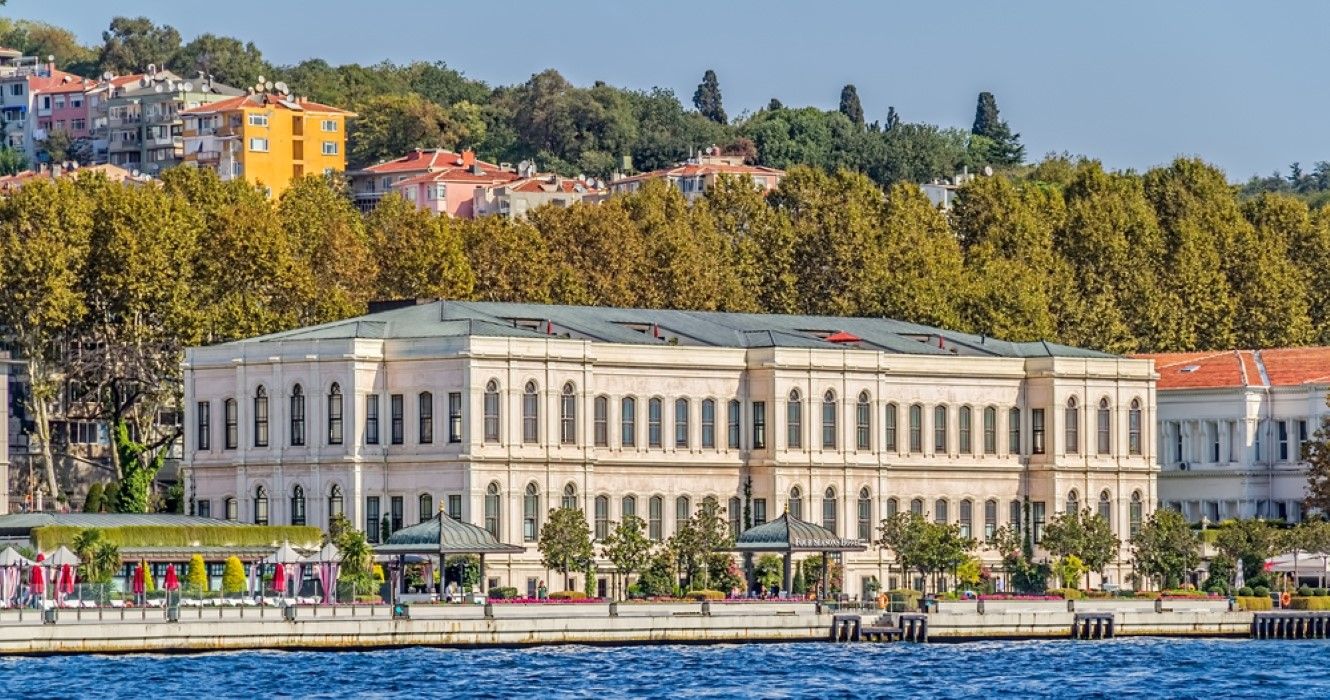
column 543, row 184
column 267, row 100
column 460, row 174
column 424, row 160
column 1242, row 368
column 59, row 81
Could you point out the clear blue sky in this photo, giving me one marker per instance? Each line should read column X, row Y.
column 1133, row 83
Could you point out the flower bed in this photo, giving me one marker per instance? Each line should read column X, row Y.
column 545, row 601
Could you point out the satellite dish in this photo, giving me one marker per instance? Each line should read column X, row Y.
column 187, row 87
column 281, row 87
column 268, row 85
column 152, row 68
column 50, row 58
column 108, row 75
column 260, row 79
column 157, row 87
column 988, row 170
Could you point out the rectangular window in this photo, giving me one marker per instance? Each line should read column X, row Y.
column 628, row 422
column 231, row 506
column 397, row 510
column 335, row 416
column 967, row 519
column 794, row 424
column 258, row 120
column 258, row 145
column 600, row 421
column 455, row 506
column 734, row 422
column 990, row 430
column 655, row 519
column 372, row 419
column 1037, row 520
column 232, row 425
column 1014, row 432
column 990, row 520
column 1072, row 429
column 1302, row 438
column 863, row 426
column 940, row 430
column 425, row 413
column 203, row 434
column 1282, row 428
column 372, row 519
column 1212, row 427
column 1104, row 430
column 759, row 511
column 1014, row 516
column 889, row 435
column 329, row 125
column 567, row 417
column 653, row 423
column 681, row 410
column 1037, row 431
column 492, row 415
column 916, row 428
column 454, row 416
column 602, row 518
column 965, row 429
column 759, row 425
column 396, row 409
column 709, row 424
column 829, row 409
column 204, row 508
column 329, row 148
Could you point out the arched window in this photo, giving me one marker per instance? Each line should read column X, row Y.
column 865, row 513
column 1072, row 431
column 600, row 421
column 990, row 519
column 297, row 416
column 794, row 421
column 654, row 436
column 890, row 415
column 1015, row 515
column 298, row 505
column 829, row 507
column 1106, row 507
column 681, row 411
column 260, row 505
column 531, row 513
column 492, row 509
column 425, row 412
column 1104, row 423
column 1073, row 502
column 990, row 430
column 863, row 423
column 916, row 506
column 967, row 518
column 1135, row 513
column 492, row 411
column 656, row 519
column 602, row 527
column 335, row 414
column 530, row 414
column 940, row 430
column 892, row 507
column 425, row 506
column 683, row 510
column 569, row 496
column 1134, row 427
column 568, row 415
column 628, row 508
column 1014, row 432
column 260, row 417
column 965, row 429
column 628, row 422
column 734, row 410
column 796, row 504
column 940, row 511
column 829, row 420
column 230, row 509
column 336, row 506
column 230, row 415
column 708, row 424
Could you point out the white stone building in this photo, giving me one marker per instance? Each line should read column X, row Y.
column 498, row 412
column 1231, row 429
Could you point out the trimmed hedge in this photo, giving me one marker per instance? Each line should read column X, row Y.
column 1309, row 603
column 304, row 536
column 568, row 595
column 1255, row 603
column 503, row 593
column 1067, row 593
column 704, row 595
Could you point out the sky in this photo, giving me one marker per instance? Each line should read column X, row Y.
column 1132, row 83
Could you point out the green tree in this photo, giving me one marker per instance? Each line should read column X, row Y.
column 390, row 125
column 227, row 60
column 1316, row 454
column 919, row 153
column 769, row 571
column 565, row 542
column 1250, row 541
column 681, row 253
column 84, row 545
column 417, row 254
column 93, row 502
column 508, row 258
column 924, row 280
column 58, row 145
column 1272, row 290
column 357, row 564
column 850, row 106
column 995, row 143
column 140, row 465
column 41, row 39
column 926, row 547
column 196, row 578
column 132, row 43
column 698, row 543
column 233, row 576
column 1070, row 569
column 627, row 547
column 707, row 98
column 596, row 253
column 760, row 240
column 1165, row 548
column 1083, row 535
column 12, row 161
column 329, row 241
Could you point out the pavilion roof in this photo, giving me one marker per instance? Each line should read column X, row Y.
column 447, row 535
column 790, row 534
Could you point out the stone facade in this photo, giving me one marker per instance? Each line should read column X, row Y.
column 498, row 412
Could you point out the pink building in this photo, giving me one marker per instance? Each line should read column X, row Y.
column 60, row 103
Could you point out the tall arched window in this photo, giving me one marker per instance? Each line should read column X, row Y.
column 492, row 411
column 735, row 512
column 425, row 412
column 1106, row 507
column 916, row 506
column 990, row 430
column 893, row 507
column 230, row 509
column 708, row 424
column 734, row 409
column 1134, row 427
column 940, row 430
column 1073, row 502
column 966, row 517
column 602, row 519
column 965, row 429
column 628, row 422
column 865, row 513
column 298, row 505
column 336, row 505
column 260, row 505
column 1104, row 423
column 654, row 436
column 683, row 511
column 681, row 411
column 600, row 421
column 493, row 509
column 1072, row 431
column 297, row 416
column 569, row 496
column 863, row 423
column 829, row 507
column 794, row 421
column 260, row 417
column 530, row 414
column 531, row 513
column 1136, row 513
column 231, row 416
column 890, row 415
column 568, row 415
column 990, row 519
column 940, row 511
column 656, row 518
column 335, row 414
column 829, row 420
column 425, row 506
column 628, row 508
column 796, row 503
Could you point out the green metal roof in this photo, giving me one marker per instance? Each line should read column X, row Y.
column 790, row 534
column 447, row 535
column 442, row 319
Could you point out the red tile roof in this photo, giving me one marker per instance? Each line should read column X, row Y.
column 424, row 161
column 269, row 100
column 59, row 81
column 1242, row 368
column 695, row 169
column 460, row 174
column 543, row 184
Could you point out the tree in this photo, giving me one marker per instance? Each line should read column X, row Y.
column 565, row 542
column 1250, row 541
column 132, row 43
column 923, row 546
column 924, row 279
column 508, row 259
column 233, row 576
column 83, row 545
column 760, row 242
column 1017, row 550
column 1316, row 453
column 627, row 547
column 707, row 98
column 390, row 125
column 57, row 145
column 996, row 144
column 12, row 161
column 227, row 60
column 357, row 565
column 769, row 571
column 329, row 241
column 702, row 545
column 850, row 106
column 140, row 465
column 417, row 254
column 1083, row 535
column 93, row 502
column 1165, row 548
column 40, row 39
column 1070, row 568
column 196, row 578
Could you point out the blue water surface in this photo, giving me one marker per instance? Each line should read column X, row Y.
column 1125, row 668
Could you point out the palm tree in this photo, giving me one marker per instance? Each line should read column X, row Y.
column 85, row 545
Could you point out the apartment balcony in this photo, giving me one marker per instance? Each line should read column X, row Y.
column 134, row 120
column 118, row 146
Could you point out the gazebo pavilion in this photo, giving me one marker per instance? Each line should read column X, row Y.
column 788, row 535
column 442, row 536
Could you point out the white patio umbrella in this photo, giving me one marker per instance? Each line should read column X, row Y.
column 63, row 556
column 288, row 561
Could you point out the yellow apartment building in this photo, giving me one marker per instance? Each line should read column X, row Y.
column 266, row 138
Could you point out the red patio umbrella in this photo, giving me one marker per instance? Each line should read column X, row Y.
column 172, row 582
column 64, row 584
column 37, row 579
column 140, row 580
column 279, row 578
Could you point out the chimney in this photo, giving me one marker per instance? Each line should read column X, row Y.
column 468, row 158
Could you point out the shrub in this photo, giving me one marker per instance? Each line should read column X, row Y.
column 1261, row 592
column 503, row 593
column 1255, row 603
column 1305, row 591
column 1318, row 592
column 1309, row 603
column 233, row 576
column 50, row 537
column 93, row 503
column 196, row 579
column 1066, row 593
column 1246, row 592
column 704, row 595
column 568, row 595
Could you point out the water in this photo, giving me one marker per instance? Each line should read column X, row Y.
column 1128, row 668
